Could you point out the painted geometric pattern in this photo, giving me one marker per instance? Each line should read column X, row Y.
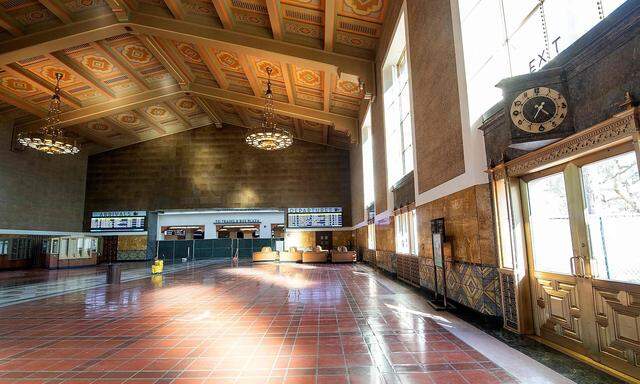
column 84, row 5
column 102, row 68
column 200, row 8
column 133, row 51
column 370, row 9
column 191, row 56
column 45, row 67
column 159, row 113
column 30, row 14
column 474, row 286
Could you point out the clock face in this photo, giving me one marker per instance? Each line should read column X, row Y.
column 538, row 110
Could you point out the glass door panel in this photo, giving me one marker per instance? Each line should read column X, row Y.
column 612, row 211
column 549, row 224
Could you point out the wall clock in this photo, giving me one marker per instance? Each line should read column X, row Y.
column 538, row 110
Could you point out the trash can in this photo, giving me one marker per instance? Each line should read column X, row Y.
column 113, row 274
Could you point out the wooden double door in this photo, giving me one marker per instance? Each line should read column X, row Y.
column 582, row 229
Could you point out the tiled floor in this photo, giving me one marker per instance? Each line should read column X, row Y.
column 21, row 286
column 265, row 323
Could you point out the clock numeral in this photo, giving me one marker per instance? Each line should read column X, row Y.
column 536, row 90
column 519, row 122
column 517, row 103
column 542, row 128
column 553, row 123
column 516, row 113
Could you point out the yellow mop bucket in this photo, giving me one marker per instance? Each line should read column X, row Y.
column 157, row 267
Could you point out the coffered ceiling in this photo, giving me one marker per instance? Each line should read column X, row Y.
column 135, row 70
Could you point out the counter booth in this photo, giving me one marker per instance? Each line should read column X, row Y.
column 71, row 251
column 175, row 250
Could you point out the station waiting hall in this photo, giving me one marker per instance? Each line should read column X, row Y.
column 319, row 191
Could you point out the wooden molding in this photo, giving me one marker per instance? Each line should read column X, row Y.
column 613, row 131
column 275, row 11
column 329, row 24
column 57, row 9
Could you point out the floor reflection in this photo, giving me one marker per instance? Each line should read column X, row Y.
column 237, row 323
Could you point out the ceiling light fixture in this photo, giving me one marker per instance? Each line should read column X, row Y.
column 268, row 136
column 51, row 138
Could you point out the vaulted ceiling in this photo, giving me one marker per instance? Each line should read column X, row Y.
column 135, row 70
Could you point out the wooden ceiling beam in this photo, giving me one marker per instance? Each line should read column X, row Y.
column 166, row 55
column 57, row 9
column 329, row 24
column 182, row 118
column 26, row 75
column 326, row 101
column 102, row 27
column 119, row 128
column 10, row 24
column 59, row 38
column 224, row 13
column 209, row 110
column 289, row 84
column 121, row 104
column 213, row 66
column 344, row 124
column 156, row 126
column 276, row 50
column 275, row 18
column 84, row 131
column 82, row 73
column 247, row 67
column 122, row 8
column 125, row 67
column 176, row 8
column 23, row 104
column 246, row 120
column 298, row 129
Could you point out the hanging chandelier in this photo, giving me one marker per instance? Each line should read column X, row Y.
column 51, row 138
column 268, row 136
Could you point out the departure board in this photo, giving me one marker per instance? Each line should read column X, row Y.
column 326, row 217
column 118, row 221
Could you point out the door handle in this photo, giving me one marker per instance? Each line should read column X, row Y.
column 578, row 266
column 572, row 262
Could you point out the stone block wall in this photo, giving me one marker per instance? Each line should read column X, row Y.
column 214, row 168
column 472, row 272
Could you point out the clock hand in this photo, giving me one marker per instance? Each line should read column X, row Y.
column 539, row 108
column 545, row 112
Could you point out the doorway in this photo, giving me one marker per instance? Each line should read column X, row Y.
column 581, row 221
column 325, row 240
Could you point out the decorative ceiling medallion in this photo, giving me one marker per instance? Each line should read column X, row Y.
column 308, row 78
column 50, row 73
column 187, row 105
column 228, row 60
column 17, row 85
column 136, row 53
column 262, row 65
column 348, row 87
column 97, row 64
column 189, row 53
column 364, row 7
column 157, row 111
column 127, row 118
column 101, row 127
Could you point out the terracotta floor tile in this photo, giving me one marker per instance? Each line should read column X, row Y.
column 266, row 323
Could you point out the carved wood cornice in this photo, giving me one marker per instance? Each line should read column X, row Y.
column 616, row 130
